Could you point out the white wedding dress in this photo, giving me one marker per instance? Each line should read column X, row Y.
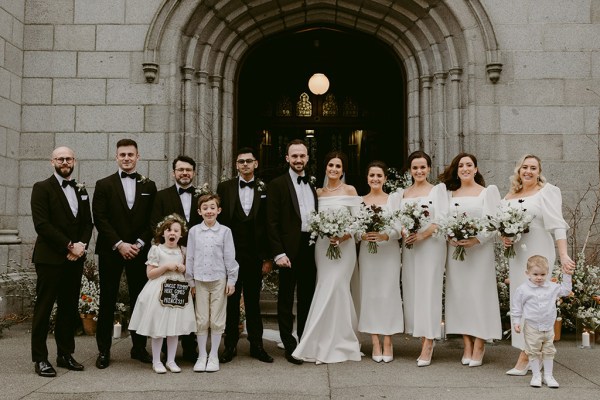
column 330, row 332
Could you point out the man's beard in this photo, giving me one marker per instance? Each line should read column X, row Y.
column 59, row 171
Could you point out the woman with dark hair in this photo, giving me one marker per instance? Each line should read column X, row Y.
column 472, row 307
column 381, row 303
column 530, row 191
column 423, row 258
column 330, row 332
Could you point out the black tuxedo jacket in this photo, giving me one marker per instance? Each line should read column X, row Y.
column 54, row 221
column 168, row 201
column 113, row 218
column 228, row 191
column 284, row 223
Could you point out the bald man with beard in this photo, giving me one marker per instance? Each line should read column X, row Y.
column 62, row 218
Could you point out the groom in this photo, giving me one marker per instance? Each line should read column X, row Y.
column 290, row 200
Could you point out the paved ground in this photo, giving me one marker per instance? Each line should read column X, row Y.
column 577, row 370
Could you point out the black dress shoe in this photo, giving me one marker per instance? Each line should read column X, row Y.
column 68, row 362
column 141, row 355
column 228, row 354
column 103, row 360
column 290, row 358
column 260, row 354
column 45, row 369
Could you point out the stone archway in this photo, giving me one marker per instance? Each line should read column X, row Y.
column 448, row 48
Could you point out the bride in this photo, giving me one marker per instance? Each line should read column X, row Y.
column 330, row 332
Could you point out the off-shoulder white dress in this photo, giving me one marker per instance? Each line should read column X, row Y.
column 546, row 206
column 423, row 268
column 330, row 332
column 472, row 306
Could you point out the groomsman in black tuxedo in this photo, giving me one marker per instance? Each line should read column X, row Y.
column 290, row 199
column 60, row 209
column 181, row 198
column 122, row 205
column 243, row 204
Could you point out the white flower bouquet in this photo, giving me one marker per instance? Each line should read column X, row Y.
column 511, row 222
column 330, row 223
column 373, row 218
column 413, row 216
column 460, row 227
column 89, row 298
column 397, row 180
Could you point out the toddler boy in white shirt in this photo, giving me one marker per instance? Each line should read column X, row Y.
column 535, row 303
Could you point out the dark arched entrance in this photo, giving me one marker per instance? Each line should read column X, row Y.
column 366, row 118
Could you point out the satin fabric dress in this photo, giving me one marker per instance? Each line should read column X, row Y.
column 330, row 332
column 472, row 305
column 423, row 268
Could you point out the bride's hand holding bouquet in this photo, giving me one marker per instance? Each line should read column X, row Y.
column 372, row 224
column 335, row 224
column 460, row 231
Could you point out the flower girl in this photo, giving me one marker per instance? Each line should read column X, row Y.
column 164, row 307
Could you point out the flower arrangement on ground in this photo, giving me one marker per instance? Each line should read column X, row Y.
column 397, row 180
column 413, row 216
column 584, row 301
column 373, row 218
column 329, row 223
column 89, row 296
column 459, row 226
column 511, row 222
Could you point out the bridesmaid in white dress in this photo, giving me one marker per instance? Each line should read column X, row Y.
column 472, row 306
column 423, row 265
column 530, row 190
column 381, row 303
column 330, row 332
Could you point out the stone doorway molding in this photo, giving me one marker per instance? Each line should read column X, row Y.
column 448, row 49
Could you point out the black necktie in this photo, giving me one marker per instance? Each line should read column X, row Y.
column 71, row 183
column 126, row 175
column 303, row 179
column 189, row 190
column 243, row 184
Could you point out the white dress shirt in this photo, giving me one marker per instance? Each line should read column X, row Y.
column 186, row 202
column 129, row 188
column 70, row 194
column 306, row 199
column 537, row 304
column 211, row 254
column 246, row 196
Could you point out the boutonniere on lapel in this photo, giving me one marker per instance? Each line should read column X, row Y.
column 312, row 180
column 260, row 185
column 80, row 187
column 202, row 190
column 142, row 179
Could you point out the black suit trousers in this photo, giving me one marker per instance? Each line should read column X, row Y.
column 58, row 283
column 300, row 278
column 250, row 284
column 111, row 267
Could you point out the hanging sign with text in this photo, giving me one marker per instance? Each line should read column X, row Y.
column 174, row 293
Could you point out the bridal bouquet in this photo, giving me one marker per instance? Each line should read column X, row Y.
column 328, row 223
column 373, row 218
column 511, row 222
column 413, row 216
column 460, row 227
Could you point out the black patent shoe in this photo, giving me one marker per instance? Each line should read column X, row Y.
column 103, row 360
column 228, row 354
column 45, row 369
column 260, row 354
column 290, row 358
column 141, row 355
column 68, row 362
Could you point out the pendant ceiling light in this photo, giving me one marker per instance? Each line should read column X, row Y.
column 318, row 84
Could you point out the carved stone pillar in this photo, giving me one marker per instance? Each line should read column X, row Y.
column 455, row 144
column 425, row 113
column 188, row 143
column 439, row 120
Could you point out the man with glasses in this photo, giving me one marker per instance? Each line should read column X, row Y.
column 243, row 210
column 60, row 208
column 182, row 199
column 121, row 207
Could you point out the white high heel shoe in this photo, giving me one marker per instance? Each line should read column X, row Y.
column 425, row 363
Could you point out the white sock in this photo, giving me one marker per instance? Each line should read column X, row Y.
column 215, row 341
column 202, row 339
column 534, row 363
column 156, row 349
column 548, row 367
column 171, row 348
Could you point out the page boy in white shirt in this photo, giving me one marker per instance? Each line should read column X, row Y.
column 535, row 304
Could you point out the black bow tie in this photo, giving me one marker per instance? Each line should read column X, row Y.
column 126, row 175
column 243, row 184
column 189, row 190
column 71, row 183
column 303, row 179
